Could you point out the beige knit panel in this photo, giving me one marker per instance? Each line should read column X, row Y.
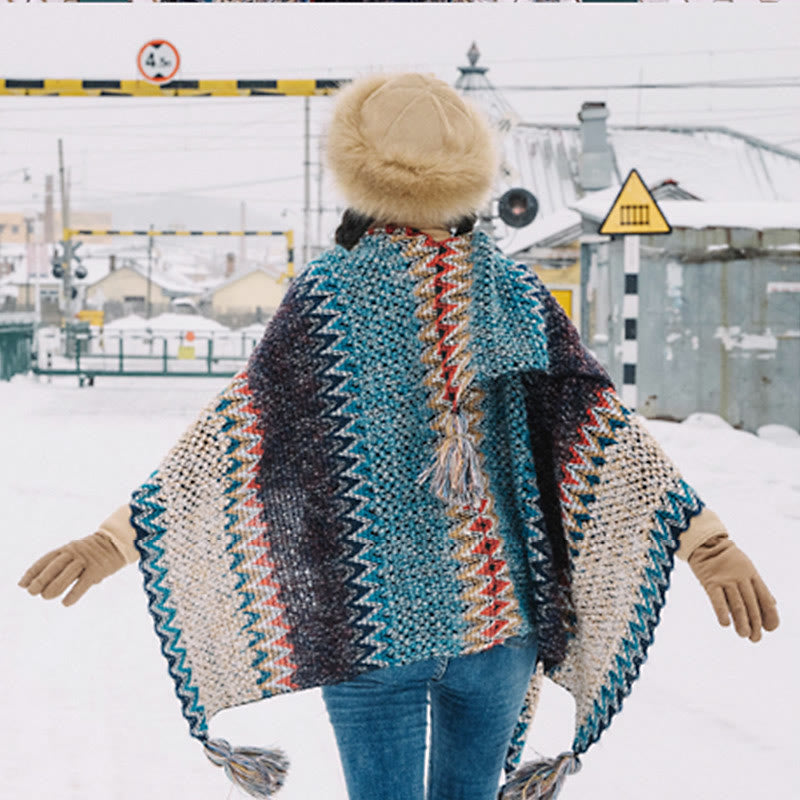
column 609, row 569
column 201, row 584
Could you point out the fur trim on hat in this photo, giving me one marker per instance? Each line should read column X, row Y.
column 407, row 149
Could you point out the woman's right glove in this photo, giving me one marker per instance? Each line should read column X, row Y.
column 84, row 562
column 734, row 587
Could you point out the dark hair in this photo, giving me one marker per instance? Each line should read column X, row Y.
column 464, row 225
column 354, row 225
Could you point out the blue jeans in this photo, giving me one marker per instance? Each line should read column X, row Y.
column 381, row 719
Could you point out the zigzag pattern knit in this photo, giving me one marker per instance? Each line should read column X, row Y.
column 287, row 541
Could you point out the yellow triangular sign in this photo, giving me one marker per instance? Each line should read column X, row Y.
column 634, row 210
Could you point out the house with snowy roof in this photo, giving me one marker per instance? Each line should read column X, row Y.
column 129, row 289
column 718, row 296
column 244, row 297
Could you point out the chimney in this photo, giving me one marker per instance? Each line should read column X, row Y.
column 112, row 262
column 230, row 264
column 595, row 162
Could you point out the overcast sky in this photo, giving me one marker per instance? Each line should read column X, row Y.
column 250, row 149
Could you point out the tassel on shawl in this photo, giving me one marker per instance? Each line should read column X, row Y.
column 259, row 772
column 540, row 780
column 456, row 475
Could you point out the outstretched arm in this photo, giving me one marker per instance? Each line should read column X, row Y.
column 728, row 576
column 83, row 562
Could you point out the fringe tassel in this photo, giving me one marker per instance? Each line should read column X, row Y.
column 540, row 780
column 259, row 772
column 456, row 475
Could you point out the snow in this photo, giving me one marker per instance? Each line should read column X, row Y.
column 133, row 322
column 783, row 286
column 732, row 338
column 757, row 216
column 184, row 322
column 780, row 434
column 704, row 214
column 89, row 711
column 700, row 419
column 540, row 230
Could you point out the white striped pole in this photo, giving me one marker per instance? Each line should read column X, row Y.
column 630, row 320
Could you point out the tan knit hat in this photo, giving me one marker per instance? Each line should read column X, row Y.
column 407, row 149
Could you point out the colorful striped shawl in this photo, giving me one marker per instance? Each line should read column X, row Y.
column 288, row 542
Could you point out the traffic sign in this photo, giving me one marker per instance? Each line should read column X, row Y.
column 158, row 61
column 635, row 210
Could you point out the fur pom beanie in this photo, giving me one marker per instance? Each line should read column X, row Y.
column 407, row 149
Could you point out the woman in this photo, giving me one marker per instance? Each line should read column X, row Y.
column 421, row 488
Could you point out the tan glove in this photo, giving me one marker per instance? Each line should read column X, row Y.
column 734, row 587
column 86, row 561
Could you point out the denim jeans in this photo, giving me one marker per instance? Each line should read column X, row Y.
column 381, row 718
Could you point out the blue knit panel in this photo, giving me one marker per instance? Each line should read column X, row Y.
column 506, row 316
column 506, row 455
column 411, row 530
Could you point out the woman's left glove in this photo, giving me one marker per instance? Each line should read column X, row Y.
column 84, row 562
column 734, row 587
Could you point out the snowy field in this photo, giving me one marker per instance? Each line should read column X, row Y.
column 88, row 707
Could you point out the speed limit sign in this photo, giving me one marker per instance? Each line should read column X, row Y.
column 158, row 61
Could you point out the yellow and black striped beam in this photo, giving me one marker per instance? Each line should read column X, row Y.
column 58, row 87
column 70, row 233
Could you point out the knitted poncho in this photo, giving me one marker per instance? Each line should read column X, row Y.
column 420, row 459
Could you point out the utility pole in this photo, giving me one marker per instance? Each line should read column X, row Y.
column 319, row 247
column 29, row 264
column 306, row 179
column 149, row 270
column 37, row 297
column 49, row 216
column 67, row 257
column 242, row 239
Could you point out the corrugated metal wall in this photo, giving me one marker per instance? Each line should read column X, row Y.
column 719, row 323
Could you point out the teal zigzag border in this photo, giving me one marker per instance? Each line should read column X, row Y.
column 145, row 511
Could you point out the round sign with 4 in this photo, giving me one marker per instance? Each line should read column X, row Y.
column 158, row 61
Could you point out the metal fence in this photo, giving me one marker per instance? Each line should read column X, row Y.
column 88, row 353
column 16, row 341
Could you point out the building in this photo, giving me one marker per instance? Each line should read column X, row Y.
column 719, row 297
column 127, row 290
column 244, row 298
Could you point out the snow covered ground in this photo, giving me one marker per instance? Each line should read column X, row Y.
column 89, row 711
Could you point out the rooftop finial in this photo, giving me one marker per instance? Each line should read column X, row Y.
column 473, row 54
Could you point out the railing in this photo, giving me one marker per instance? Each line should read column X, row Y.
column 88, row 358
column 16, row 339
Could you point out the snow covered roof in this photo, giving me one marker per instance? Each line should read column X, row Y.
column 547, row 231
column 757, row 216
column 711, row 163
column 174, row 285
column 698, row 214
column 213, row 287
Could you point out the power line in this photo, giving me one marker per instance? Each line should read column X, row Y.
column 733, row 83
column 648, row 54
